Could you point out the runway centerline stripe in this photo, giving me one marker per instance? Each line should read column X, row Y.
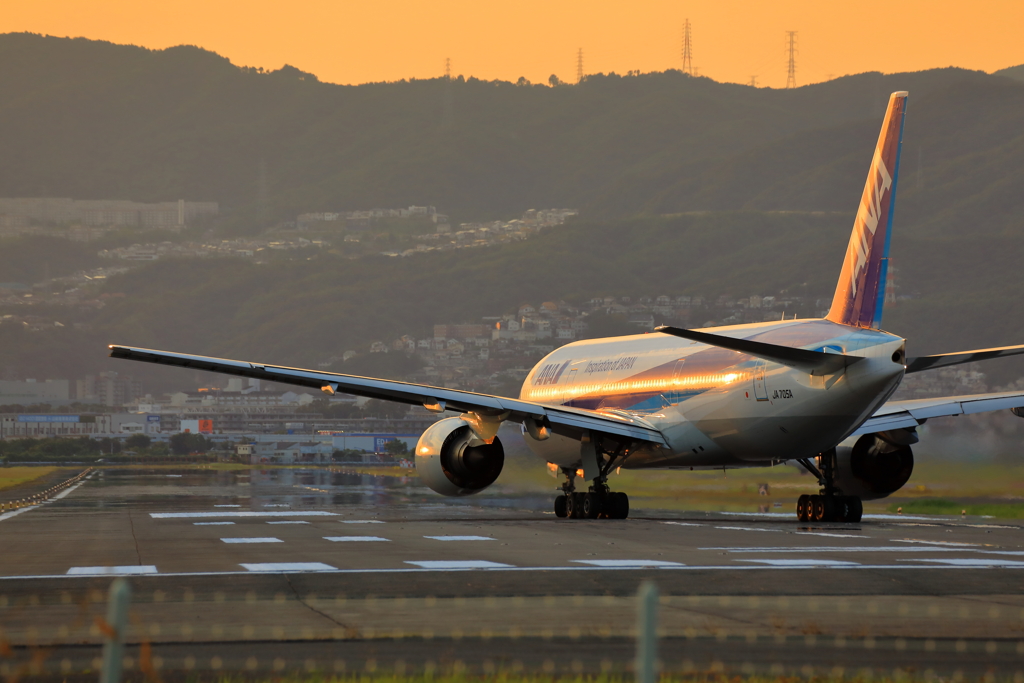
column 127, row 570
column 821, row 533
column 748, row 528
column 805, row 562
column 285, row 521
column 629, row 563
column 459, row 564
column 289, row 567
column 344, row 539
column 267, row 539
column 210, row 523
column 244, row 513
column 683, row 523
column 227, row 506
column 459, row 538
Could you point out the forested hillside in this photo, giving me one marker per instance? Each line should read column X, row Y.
column 88, row 119
column 684, row 185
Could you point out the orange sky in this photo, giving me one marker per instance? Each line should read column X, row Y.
column 347, row 42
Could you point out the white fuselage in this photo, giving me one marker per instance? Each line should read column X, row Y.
column 716, row 407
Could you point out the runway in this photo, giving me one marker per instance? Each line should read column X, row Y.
column 251, row 570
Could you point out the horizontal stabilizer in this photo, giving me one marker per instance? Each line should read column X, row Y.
column 946, row 359
column 811, row 362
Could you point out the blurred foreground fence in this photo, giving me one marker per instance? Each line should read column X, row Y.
column 211, row 627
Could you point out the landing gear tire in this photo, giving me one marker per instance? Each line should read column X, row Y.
column 803, row 508
column 619, row 505
column 591, row 505
column 822, row 508
column 854, row 509
column 561, row 506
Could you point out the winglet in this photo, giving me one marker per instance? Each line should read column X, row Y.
column 860, row 295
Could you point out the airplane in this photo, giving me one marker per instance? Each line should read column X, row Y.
column 811, row 391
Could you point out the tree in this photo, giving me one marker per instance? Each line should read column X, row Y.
column 185, row 443
column 138, row 442
column 396, row 447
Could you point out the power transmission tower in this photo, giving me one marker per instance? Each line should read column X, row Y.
column 791, row 68
column 753, row 81
column 579, row 66
column 687, row 50
column 448, row 68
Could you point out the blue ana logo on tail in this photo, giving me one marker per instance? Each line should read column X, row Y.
column 860, row 294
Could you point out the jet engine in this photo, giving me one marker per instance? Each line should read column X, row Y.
column 876, row 465
column 453, row 461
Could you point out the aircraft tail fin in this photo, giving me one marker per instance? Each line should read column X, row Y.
column 860, row 293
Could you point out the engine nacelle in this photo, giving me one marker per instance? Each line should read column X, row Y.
column 452, row 461
column 875, row 466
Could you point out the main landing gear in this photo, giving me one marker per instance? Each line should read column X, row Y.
column 598, row 502
column 829, row 505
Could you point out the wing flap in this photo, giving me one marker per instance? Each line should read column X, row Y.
column 566, row 421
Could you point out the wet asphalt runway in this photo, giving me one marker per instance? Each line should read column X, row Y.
column 284, row 570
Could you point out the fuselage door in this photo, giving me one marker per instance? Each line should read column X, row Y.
column 675, row 389
column 570, row 379
column 760, row 390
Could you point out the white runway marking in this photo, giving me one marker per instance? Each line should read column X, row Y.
column 253, row 540
column 972, row 562
column 174, row 476
column 345, row 539
column 361, row 521
column 286, row 521
column 746, row 528
column 459, row 538
column 914, row 540
column 290, row 567
column 112, row 571
column 210, row 523
column 276, row 505
column 627, row 564
column 247, row 513
column 805, row 562
column 819, row 533
column 683, row 523
column 460, row 564
column 227, row 506
column 844, row 549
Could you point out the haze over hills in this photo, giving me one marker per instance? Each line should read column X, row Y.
column 776, row 173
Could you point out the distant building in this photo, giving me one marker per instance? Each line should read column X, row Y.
column 30, row 391
column 103, row 212
column 109, row 389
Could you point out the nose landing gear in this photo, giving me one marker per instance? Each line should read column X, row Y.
column 830, row 505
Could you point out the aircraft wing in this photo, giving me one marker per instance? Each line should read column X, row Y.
column 572, row 422
column 903, row 414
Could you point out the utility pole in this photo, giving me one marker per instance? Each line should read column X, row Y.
column 753, row 81
column 448, row 68
column 687, row 50
column 579, row 66
column 791, row 67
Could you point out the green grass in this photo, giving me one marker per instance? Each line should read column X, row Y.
column 942, row 506
column 13, row 476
